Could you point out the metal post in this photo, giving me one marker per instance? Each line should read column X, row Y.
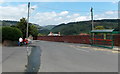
column 27, row 34
column 28, row 20
column 92, row 25
column 112, row 41
column 92, row 18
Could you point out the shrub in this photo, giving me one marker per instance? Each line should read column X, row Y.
column 11, row 33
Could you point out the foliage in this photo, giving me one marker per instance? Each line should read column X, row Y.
column 75, row 28
column 22, row 25
column 10, row 33
column 32, row 29
column 99, row 28
column 72, row 28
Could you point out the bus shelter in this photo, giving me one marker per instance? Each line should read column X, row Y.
column 103, row 38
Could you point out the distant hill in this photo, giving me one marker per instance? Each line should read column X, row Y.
column 8, row 23
column 46, row 29
column 0, row 23
column 49, row 27
column 75, row 28
column 72, row 28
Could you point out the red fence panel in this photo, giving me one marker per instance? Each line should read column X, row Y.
column 116, row 39
column 83, row 39
column 71, row 39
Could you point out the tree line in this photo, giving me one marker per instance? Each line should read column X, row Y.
column 13, row 32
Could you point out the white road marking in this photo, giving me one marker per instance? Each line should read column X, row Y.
column 92, row 49
column 81, row 50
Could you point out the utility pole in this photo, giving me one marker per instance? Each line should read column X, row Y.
column 92, row 25
column 27, row 36
column 28, row 20
column 92, row 18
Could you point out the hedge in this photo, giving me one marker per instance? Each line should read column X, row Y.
column 11, row 33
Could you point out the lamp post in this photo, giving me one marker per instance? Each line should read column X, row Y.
column 28, row 19
column 27, row 35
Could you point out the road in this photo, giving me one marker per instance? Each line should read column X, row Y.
column 14, row 59
column 61, row 57
column 69, row 57
column 21, row 59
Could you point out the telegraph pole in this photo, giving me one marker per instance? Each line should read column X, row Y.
column 92, row 25
column 28, row 19
column 92, row 18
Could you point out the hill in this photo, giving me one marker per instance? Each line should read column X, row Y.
column 49, row 27
column 72, row 28
column 8, row 23
column 75, row 28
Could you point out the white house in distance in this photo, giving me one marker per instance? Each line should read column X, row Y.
column 53, row 34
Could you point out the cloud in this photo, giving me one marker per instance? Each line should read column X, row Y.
column 1, row 1
column 48, row 18
column 111, row 12
column 107, row 15
column 64, row 13
column 13, row 12
column 54, row 18
column 115, row 2
column 82, row 18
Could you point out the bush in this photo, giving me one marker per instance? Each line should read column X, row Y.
column 11, row 33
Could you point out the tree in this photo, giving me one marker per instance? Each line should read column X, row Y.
column 22, row 25
column 32, row 29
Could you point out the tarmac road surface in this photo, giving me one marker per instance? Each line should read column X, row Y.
column 62, row 57
column 69, row 57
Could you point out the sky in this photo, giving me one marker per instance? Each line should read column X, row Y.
column 55, row 13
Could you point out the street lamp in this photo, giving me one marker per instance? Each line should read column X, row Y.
column 28, row 19
column 27, row 34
